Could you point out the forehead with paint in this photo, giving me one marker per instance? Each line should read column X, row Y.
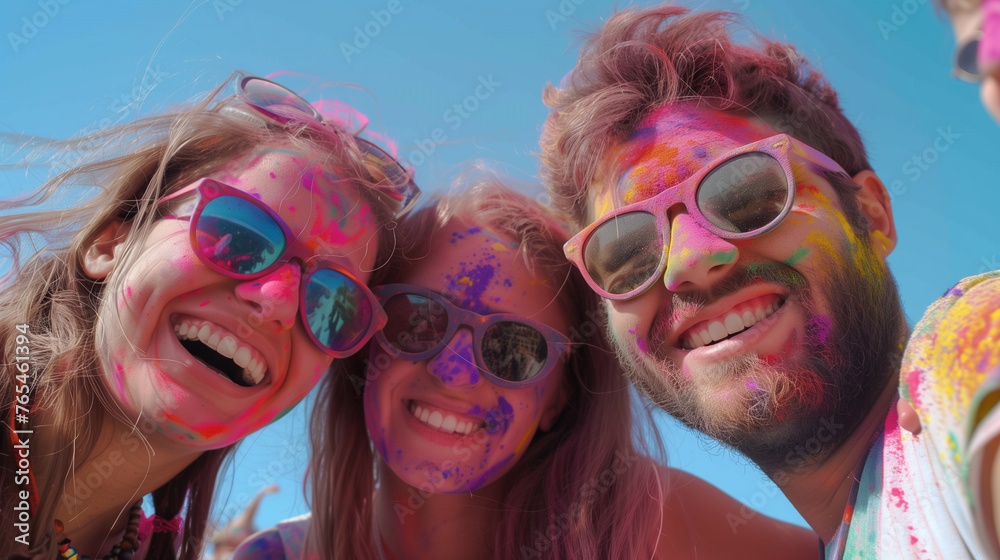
column 472, row 263
column 667, row 147
column 326, row 212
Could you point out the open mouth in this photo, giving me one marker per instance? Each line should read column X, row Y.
column 732, row 322
column 221, row 351
column 445, row 421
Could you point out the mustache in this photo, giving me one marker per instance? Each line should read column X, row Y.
column 684, row 304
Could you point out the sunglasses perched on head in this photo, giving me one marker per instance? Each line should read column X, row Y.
column 514, row 351
column 283, row 105
column 742, row 194
column 240, row 237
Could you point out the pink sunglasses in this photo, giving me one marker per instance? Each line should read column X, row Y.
column 240, row 237
column 742, row 194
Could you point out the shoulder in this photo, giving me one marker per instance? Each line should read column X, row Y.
column 953, row 349
column 284, row 541
column 701, row 521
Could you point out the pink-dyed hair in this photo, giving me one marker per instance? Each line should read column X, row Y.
column 643, row 59
column 561, row 472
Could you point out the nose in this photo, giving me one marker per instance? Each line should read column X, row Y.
column 455, row 365
column 696, row 258
column 274, row 297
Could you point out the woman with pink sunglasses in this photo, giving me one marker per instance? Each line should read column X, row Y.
column 489, row 419
column 151, row 327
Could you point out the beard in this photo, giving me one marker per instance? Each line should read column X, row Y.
column 788, row 413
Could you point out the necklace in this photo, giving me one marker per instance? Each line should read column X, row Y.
column 121, row 551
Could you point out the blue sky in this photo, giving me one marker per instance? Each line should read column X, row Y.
column 68, row 66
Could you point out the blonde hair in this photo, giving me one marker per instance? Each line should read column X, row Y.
column 558, row 484
column 131, row 167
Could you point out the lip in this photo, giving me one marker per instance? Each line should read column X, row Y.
column 721, row 307
column 430, row 433
column 191, row 372
column 738, row 343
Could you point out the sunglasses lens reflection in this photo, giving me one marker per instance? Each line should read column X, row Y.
column 741, row 195
column 513, row 351
column 237, row 236
column 276, row 100
column 624, row 252
column 337, row 310
column 744, row 194
column 415, row 323
column 966, row 59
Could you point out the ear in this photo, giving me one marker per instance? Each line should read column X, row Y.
column 874, row 202
column 105, row 250
column 554, row 408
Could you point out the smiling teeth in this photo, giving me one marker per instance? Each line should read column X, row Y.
column 446, row 424
column 734, row 322
column 224, row 343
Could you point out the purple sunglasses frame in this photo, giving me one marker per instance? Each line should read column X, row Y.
column 403, row 192
column 781, row 147
column 210, row 189
column 557, row 343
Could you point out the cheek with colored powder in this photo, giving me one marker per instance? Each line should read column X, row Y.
column 455, row 368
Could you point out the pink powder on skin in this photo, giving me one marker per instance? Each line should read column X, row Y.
column 640, row 343
column 119, row 375
column 280, row 285
column 988, row 54
column 649, row 164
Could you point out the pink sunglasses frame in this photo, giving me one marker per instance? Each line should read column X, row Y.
column 210, row 189
column 781, row 147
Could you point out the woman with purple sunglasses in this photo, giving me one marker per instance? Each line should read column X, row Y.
column 490, row 420
column 153, row 326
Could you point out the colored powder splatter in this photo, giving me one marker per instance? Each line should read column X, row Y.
column 900, row 500
column 641, row 344
column 797, row 256
column 722, row 257
column 204, row 303
column 475, row 282
column 818, row 328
